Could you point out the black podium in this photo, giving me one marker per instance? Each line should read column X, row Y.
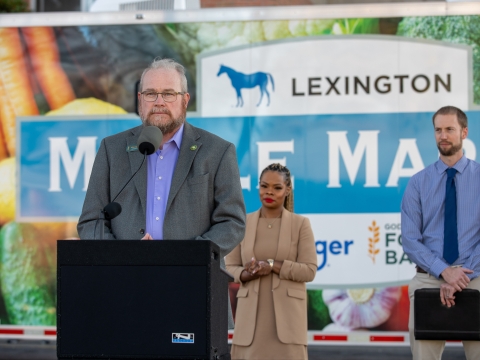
column 141, row 300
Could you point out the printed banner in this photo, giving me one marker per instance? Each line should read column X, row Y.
column 316, row 76
column 346, row 104
column 342, row 164
column 349, row 171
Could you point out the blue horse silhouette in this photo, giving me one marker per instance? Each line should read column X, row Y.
column 241, row 81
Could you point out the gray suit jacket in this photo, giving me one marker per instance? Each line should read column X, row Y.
column 205, row 200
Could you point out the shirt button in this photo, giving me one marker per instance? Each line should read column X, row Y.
column 157, row 218
column 158, row 197
column 159, row 178
column 161, row 157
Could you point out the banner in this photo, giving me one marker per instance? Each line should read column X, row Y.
column 346, row 104
column 316, row 76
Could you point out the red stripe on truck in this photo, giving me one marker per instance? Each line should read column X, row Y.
column 387, row 338
column 330, row 337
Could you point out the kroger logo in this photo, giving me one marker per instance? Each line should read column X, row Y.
column 335, row 248
column 243, row 81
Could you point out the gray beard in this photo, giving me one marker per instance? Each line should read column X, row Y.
column 169, row 128
column 452, row 151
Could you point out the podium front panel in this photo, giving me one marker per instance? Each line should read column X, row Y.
column 130, row 299
column 107, row 323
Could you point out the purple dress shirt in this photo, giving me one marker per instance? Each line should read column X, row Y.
column 160, row 168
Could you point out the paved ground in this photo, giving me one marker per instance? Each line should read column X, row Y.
column 39, row 350
column 373, row 353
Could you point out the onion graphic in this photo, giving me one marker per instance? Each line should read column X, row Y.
column 360, row 308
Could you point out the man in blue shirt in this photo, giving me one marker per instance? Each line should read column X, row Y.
column 441, row 225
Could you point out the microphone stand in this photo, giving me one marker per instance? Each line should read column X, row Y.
column 124, row 186
column 104, row 214
column 102, row 224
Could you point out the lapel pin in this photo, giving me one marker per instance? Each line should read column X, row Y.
column 193, row 147
column 131, row 148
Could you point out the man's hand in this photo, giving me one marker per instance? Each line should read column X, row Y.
column 455, row 276
column 147, row 237
column 446, row 295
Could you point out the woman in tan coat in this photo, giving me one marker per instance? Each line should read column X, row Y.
column 272, row 263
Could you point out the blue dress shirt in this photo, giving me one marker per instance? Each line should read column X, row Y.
column 423, row 208
column 160, row 167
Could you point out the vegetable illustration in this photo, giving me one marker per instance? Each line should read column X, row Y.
column 318, row 316
column 27, row 274
column 195, row 38
column 16, row 85
column 398, row 320
column 28, row 250
column 7, row 190
column 45, row 59
column 6, row 112
column 361, row 308
column 191, row 39
column 355, row 26
column 88, row 106
column 13, row 6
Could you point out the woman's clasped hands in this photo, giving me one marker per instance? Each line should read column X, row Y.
column 258, row 267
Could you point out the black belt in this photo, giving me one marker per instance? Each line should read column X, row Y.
column 420, row 270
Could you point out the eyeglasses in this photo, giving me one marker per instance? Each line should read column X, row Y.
column 168, row 96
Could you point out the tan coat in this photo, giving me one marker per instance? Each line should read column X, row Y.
column 296, row 247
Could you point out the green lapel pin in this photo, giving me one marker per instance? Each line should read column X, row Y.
column 193, row 147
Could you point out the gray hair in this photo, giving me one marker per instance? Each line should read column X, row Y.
column 168, row 64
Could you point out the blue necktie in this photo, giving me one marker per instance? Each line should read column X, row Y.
column 450, row 235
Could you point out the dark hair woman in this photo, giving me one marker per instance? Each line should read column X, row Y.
column 272, row 263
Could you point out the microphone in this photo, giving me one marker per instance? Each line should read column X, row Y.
column 148, row 142
column 112, row 210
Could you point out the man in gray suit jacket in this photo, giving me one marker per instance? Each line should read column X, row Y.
column 199, row 174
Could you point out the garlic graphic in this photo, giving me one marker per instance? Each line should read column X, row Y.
column 332, row 327
column 360, row 308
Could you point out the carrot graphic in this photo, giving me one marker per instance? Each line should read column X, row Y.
column 16, row 85
column 6, row 111
column 45, row 59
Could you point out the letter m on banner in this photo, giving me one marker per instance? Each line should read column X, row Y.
column 60, row 155
column 338, row 146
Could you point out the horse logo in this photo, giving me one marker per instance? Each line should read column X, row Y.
column 243, row 81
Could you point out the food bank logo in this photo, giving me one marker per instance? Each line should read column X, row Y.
column 248, row 81
column 370, row 243
column 373, row 241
